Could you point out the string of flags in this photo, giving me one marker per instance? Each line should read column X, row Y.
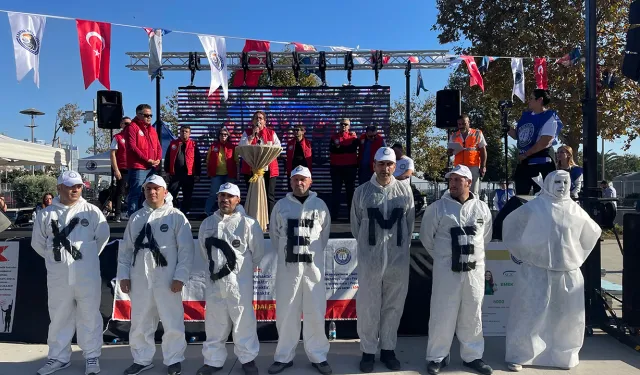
column 607, row 79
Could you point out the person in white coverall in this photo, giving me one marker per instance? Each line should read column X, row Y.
column 454, row 232
column 70, row 234
column 382, row 219
column 232, row 244
column 299, row 229
column 552, row 236
column 154, row 263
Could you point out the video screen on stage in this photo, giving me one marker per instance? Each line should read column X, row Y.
column 318, row 109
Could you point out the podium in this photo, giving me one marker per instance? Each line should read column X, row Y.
column 258, row 157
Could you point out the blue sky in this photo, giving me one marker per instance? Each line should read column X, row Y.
column 374, row 24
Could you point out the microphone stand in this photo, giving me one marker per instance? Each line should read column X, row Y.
column 505, row 108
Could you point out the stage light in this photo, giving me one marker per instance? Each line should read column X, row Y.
column 296, row 67
column 348, row 65
column 322, row 68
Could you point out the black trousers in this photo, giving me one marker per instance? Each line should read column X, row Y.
column 270, row 187
column 524, row 174
column 342, row 175
column 119, row 192
column 186, row 183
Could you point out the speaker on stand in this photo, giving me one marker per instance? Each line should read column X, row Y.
column 109, row 113
column 448, row 109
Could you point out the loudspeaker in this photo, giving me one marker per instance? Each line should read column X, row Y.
column 508, row 208
column 109, row 110
column 448, row 108
column 631, row 270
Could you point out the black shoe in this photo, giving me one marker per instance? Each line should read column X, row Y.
column 250, row 368
column 323, row 368
column 135, row 369
column 367, row 361
column 434, row 368
column 175, row 369
column 278, row 367
column 208, row 370
column 388, row 357
column 479, row 366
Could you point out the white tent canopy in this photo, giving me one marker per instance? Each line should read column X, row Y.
column 16, row 152
column 96, row 164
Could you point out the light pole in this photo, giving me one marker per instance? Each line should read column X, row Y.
column 93, row 116
column 33, row 113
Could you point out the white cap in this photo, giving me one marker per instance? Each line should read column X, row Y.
column 385, row 154
column 156, row 180
column 460, row 170
column 70, row 178
column 301, row 171
column 229, row 188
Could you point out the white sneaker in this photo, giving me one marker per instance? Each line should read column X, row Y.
column 93, row 366
column 514, row 367
column 52, row 366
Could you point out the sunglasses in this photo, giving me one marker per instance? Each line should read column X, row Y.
column 128, row 123
column 224, row 134
column 146, row 115
column 344, row 124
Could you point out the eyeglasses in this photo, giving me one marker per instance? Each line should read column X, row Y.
column 224, row 134
column 147, row 115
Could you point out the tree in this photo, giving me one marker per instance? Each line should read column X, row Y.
column 428, row 153
column 169, row 111
column 545, row 28
column 67, row 119
column 103, row 140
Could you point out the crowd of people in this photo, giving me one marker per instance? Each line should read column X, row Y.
column 156, row 255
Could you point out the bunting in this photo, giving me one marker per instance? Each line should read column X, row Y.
column 475, row 78
column 155, row 50
column 540, row 69
column 420, row 83
column 27, row 32
column 94, row 39
column 518, row 78
column 253, row 76
column 216, row 51
column 484, row 65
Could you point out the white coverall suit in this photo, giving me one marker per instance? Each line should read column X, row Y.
column 382, row 220
column 455, row 235
column 231, row 245
column 552, row 236
column 165, row 253
column 300, row 232
column 73, row 282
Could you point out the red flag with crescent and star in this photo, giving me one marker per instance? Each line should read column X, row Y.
column 540, row 66
column 252, row 75
column 474, row 72
column 95, row 50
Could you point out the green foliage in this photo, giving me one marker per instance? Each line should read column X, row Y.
column 169, row 112
column 67, row 119
column 103, row 140
column 30, row 189
column 427, row 148
column 542, row 28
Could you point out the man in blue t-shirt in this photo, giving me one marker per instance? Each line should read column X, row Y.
column 537, row 132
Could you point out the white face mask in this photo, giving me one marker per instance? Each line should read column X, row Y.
column 558, row 184
column 559, row 187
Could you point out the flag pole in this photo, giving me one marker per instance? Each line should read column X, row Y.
column 407, row 73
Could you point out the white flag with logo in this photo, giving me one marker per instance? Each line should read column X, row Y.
column 27, row 32
column 518, row 78
column 216, row 51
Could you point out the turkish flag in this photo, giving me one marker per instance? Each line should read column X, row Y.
column 540, row 68
column 95, row 50
column 252, row 75
column 2, row 257
column 474, row 72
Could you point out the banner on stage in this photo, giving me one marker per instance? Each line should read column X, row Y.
column 8, row 283
column 500, row 273
column 341, row 283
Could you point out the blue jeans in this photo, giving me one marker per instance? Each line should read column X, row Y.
column 136, row 179
column 212, row 201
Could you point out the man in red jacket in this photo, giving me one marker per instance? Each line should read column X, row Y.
column 298, row 151
column 343, row 156
column 370, row 142
column 119, row 165
column 143, row 154
column 222, row 167
column 265, row 136
column 182, row 162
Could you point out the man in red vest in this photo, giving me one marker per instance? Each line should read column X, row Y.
column 144, row 154
column 343, row 156
column 298, row 151
column 119, row 165
column 259, row 134
column 183, row 163
column 222, row 167
column 370, row 142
